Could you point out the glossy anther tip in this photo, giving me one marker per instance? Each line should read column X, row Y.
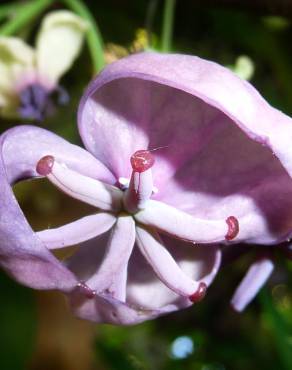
column 84, row 289
column 233, row 228
column 142, row 160
column 199, row 294
column 45, row 165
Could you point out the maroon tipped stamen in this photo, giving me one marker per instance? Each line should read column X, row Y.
column 45, row 165
column 199, row 294
column 142, row 160
column 84, row 289
column 233, row 228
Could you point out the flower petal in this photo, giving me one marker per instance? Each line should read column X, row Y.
column 22, row 254
column 24, row 146
column 111, row 277
column 77, row 231
column 147, row 297
column 59, row 43
column 106, row 309
column 217, row 138
column 253, row 281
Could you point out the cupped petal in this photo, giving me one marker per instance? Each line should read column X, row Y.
column 59, row 43
column 219, row 144
column 24, row 146
column 253, row 281
column 78, row 231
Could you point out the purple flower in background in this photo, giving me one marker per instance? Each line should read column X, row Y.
column 182, row 157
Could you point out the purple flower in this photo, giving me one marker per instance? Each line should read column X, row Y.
column 183, row 156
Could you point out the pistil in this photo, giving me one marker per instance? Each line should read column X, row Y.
column 141, row 183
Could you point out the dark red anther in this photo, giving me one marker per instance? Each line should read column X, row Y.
column 84, row 289
column 142, row 160
column 199, row 294
column 233, row 228
column 45, row 165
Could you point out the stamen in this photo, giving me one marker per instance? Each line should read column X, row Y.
column 111, row 276
column 172, row 221
column 199, row 294
column 81, row 187
column 164, row 265
column 84, row 289
column 233, row 228
column 78, row 231
column 142, row 160
column 45, row 165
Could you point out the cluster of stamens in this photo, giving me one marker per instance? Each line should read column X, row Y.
column 132, row 200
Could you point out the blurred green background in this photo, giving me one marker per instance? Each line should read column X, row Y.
column 36, row 329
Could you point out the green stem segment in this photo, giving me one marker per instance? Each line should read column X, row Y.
column 167, row 25
column 8, row 10
column 94, row 38
column 280, row 330
column 23, row 15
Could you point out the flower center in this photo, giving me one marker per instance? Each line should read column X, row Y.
column 37, row 102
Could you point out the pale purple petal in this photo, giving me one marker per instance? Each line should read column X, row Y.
column 105, row 309
column 218, row 138
column 24, row 146
column 77, row 231
column 22, row 254
column 253, row 281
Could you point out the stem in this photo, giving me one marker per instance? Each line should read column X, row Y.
column 24, row 15
column 94, row 38
column 150, row 15
column 167, row 25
